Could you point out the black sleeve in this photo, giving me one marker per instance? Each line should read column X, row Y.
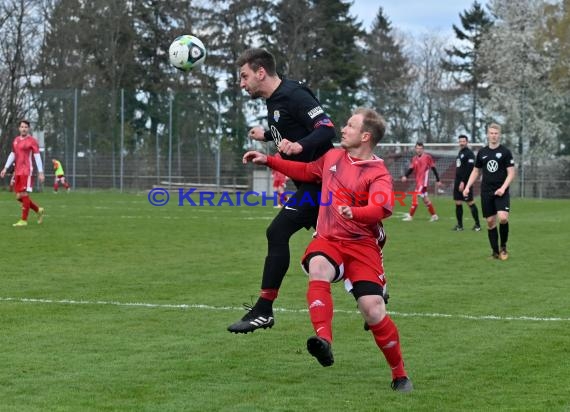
column 320, row 136
column 267, row 136
column 434, row 170
column 311, row 115
column 409, row 172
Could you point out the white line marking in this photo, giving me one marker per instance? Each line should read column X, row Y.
column 230, row 308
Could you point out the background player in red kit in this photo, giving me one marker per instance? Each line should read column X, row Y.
column 279, row 183
column 23, row 147
column 421, row 164
column 355, row 197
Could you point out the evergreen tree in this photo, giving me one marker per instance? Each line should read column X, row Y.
column 464, row 60
column 317, row 43
column 388, row 74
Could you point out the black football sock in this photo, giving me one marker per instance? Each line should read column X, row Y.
column 504, row 232
column 494, row 239
column 264, row 305
column 475, row 213
column 459, row 214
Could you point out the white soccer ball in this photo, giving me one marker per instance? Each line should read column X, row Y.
column 186, row 52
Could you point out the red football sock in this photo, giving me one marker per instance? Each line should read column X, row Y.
column 25, row 207
column 431, row 208
column 320, row 303
column 269, row 294
column 413, row 209
column 33, row 206
column 55, row 187
column 386, row 336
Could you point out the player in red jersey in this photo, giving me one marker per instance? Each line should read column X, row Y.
column 421, row 164
column 23, row 147
column 356, row 195
column 279, row 182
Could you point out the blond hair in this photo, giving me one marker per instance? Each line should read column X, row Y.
column 494, row 126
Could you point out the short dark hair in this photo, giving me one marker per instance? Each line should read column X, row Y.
column 420, row 144
column 27, row 122
column 257, row 58
column 373, row 123
column 462, row 136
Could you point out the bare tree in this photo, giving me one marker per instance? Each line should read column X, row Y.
column 434, row 99
column 18, row 29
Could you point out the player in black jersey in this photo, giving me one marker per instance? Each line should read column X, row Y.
column 498, row 167
column 302, row 132
column 463, row 167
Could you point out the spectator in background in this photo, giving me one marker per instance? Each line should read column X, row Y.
column 59, row 176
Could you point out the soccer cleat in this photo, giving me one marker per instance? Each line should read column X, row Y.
column 252, row 320
column 41, row 214
column 495, row 255
column 20, row 223
column 434, row 218
column 458, row 228
column 321, row 349
column 408, row 218
column 402, row 384
column 503, row 254
column 477, row 228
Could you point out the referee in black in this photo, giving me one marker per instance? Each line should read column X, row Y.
column 498, row 167
column 463, row 167
column 303, row 132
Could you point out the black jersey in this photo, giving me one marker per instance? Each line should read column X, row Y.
column 494, row 164
column 294, row 113
column 464, row 164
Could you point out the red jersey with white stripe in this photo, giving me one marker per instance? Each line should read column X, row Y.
column 24, row 149
column 364, row 185
column 422, row 165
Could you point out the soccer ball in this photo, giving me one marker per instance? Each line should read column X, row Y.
column 186, row 52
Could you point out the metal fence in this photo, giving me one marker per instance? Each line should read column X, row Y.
column 104, row 142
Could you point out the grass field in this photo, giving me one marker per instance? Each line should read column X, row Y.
column 113, row 304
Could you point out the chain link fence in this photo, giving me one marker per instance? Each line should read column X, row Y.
column 111, row 140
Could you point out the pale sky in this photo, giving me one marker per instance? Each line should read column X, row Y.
column 414, row 16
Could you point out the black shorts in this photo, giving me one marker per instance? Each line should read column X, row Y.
column 457, row 195
column 491, row 204
column 303, row 206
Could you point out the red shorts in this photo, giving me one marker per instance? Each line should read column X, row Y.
column 23, row 183
column 354, row 260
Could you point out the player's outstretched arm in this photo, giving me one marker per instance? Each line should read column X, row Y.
column 254, row 157
column 257, row 133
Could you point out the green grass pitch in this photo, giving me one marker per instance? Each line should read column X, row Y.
column 115, row 305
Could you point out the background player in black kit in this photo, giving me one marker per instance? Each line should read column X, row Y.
column 498, row 167
column 302, row 132
column 463, row 167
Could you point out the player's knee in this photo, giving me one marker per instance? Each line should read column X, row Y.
column 321, row 269
column 373, row 308
column 278, row 231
